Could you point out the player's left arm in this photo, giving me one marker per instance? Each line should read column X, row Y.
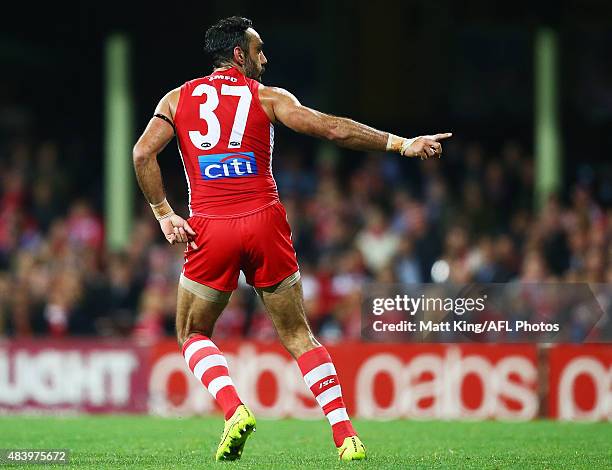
column 158, row 133
column 284, row 107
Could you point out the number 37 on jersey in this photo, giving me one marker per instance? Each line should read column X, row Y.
column 207, row 110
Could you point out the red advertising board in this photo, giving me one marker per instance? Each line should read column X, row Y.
column 73, row 376
column 581, row 382
column 380, row 381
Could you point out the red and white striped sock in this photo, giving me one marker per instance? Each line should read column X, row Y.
column 320, row 376
column 210, row 367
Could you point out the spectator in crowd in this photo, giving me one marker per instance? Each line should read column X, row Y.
column 381, row 220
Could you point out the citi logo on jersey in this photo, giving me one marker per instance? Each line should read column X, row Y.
column 227, row 165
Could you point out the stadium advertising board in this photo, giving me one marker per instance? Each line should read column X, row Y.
column 380, row 381
column 581, row 382
column 73, row 375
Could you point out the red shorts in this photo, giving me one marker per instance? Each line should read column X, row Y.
column 258, row 244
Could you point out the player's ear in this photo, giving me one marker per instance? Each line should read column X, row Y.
column 239, row 55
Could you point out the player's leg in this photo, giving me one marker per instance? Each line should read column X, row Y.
column 196, row 315
column 198, row 309
column 270, row 265
column 285, row 304
column 209, row 276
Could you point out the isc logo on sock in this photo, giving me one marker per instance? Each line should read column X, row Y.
column 325, row 383
column 227, row 165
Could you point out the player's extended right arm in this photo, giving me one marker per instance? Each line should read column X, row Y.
column 285, row 108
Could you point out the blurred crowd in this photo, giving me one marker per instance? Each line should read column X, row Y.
column 468, row 217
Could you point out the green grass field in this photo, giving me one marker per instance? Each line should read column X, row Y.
column 146, row 442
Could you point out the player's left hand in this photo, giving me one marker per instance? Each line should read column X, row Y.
column 177, row 230
column 426, row 146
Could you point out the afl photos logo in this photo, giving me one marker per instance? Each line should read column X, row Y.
column 227, row 165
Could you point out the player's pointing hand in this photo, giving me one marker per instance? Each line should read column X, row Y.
column 425, row 146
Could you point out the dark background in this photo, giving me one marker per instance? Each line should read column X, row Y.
column 406, row 67
column 409, row 67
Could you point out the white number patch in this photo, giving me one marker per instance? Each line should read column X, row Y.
column 212, row 136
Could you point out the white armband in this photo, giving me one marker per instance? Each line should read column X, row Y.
column 406, row 144
column 398, row 144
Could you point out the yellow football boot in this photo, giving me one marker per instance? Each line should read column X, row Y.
column 237, row 430
column 352, row 449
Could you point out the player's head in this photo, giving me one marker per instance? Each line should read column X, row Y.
column 233, row 41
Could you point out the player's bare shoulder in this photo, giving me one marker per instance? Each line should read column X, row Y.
column 168, row 104
column 272, row 98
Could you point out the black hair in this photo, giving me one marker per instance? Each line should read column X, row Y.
column 223, row 36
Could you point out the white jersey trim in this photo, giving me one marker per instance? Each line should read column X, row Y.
column 271, row 152
column 186, row 177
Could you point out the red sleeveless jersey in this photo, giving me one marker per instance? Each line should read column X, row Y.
column 225, row 140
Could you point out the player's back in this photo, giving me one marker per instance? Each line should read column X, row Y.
column 226, row 142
